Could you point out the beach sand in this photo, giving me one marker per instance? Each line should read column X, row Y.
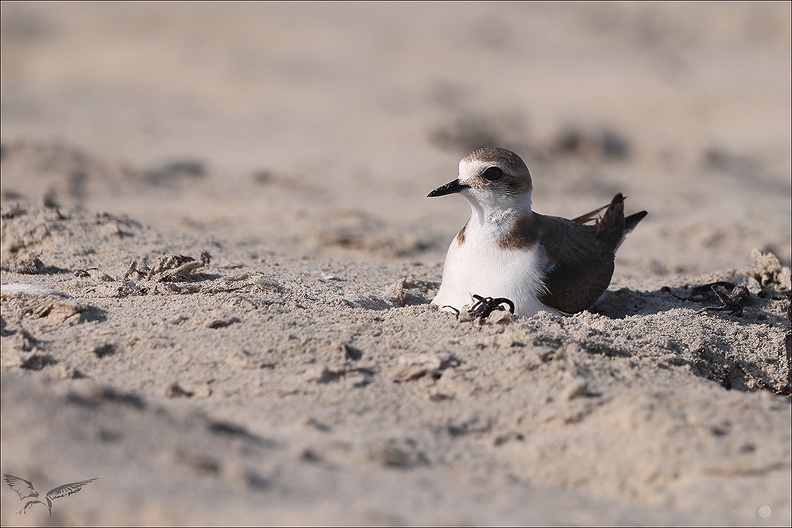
column 218, row 257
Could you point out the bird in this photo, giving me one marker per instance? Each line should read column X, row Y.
column 24, row 488
column 507, row 253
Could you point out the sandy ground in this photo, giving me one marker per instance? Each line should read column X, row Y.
column 217, row 262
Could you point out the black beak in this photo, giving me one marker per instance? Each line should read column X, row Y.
column 448, row 188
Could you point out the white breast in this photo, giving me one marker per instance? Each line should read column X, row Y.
column 479, row 266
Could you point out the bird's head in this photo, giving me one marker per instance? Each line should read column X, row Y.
column 492, row 179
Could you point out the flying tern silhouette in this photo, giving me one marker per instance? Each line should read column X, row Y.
column 24, row 488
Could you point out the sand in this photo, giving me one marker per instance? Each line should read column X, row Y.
column 217, row 260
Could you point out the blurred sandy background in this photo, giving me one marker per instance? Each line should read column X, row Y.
column 297, row 142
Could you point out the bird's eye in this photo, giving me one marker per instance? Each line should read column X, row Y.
column 493, row 173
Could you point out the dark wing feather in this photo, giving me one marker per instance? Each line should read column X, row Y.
column 67, row 489
column 631, row 221
column 590, row 216
column 23, row 488
column 610, row 228
column 580, row 257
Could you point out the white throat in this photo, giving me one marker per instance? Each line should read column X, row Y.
column 493, row 210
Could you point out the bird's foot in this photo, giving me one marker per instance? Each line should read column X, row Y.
column 450, row 309
column 484, row 306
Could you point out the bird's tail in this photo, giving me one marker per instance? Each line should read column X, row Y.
column 610, row 228
column 629, row 224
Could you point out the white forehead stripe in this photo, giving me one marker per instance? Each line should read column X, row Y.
column 471, row 169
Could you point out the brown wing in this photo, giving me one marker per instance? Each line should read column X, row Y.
column 590, row 216
column 610, row 228
column 629, row 223
column 580, row 257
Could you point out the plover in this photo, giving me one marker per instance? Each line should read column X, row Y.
column 24, row 488
column 506, row 251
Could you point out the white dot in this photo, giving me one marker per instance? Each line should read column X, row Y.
column 764, row 511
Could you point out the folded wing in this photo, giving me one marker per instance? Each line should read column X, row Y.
column 580, row 256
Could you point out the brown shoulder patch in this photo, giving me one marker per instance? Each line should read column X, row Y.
column 523, row 235
column 460, row 238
